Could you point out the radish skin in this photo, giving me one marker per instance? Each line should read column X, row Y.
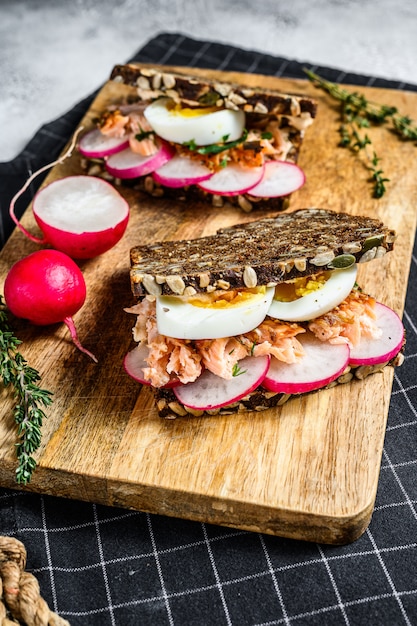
column 373, row 351
column 31, row 178
column 321, row 364
column 128, row 164
column 47, row 287
column 181, row 172
column 95, row 145
column 71, row 238
column 212, row 392
column 280, row 178
column 233, row 180
column 82, row 216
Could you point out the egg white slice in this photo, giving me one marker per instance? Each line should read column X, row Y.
column 319, row 302
column 181, row 126
column 180, row 319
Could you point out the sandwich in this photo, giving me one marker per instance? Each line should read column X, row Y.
column 244, row 319
column 188, row 138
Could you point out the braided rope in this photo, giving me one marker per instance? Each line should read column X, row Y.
column 20, row 597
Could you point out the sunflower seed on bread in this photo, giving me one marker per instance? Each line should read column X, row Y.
column 262, row 252
column 195, row 91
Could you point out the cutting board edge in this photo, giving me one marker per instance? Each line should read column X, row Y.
column 229, row 513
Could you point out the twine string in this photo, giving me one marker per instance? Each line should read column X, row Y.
column 20, row 597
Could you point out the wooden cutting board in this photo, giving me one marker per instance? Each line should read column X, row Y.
column 308, row 470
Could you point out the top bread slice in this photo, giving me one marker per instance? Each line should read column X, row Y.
column 192, row 91
column 262, row 252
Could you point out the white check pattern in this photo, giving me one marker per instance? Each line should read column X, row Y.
column 103, row 566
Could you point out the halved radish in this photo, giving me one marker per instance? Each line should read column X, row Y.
column 128, row 164
column 181, row 171
column 280, row 178
column 211, row 392
column 82, row 216
column 321, row 364
column 96, row 145
column 233, row 180
column 373, row 351
column 135, row 362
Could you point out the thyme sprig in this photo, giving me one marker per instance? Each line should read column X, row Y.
column 30, row 399
column 358, row 113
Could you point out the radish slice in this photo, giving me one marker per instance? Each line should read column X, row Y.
column 211, row 392
column 280, row 179
column 96, row 145
column 373, row 351
column 233, row 180
column 321, row 364
column 128, row 164
column 135, row 362
column 180, row 172
column 82, row 216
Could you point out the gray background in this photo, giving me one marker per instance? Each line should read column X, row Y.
column 54, row 53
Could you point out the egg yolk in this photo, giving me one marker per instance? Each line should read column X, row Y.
column 290, row 291
column 227, row 299
column 177, row 109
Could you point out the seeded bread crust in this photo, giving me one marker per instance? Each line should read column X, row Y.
column 262, row 252
column 153, row 83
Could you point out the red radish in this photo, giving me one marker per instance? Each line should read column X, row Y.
column 233, row 180
column 111, row 220
column 180, row 172
column 380, row 350
column 280, row 179
column 83, row 216
column 211, row 392
column 321, row 364
column 135, row 362
column 96, row 145
column 46, row 287
column 128, row 164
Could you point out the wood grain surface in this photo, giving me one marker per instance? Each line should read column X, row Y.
column 307, row 470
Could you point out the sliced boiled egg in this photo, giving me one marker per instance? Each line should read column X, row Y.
column 212, row 316
column 307, row 298
column 203, row 126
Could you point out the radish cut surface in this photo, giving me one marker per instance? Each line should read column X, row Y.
column 180, row 172
column 96, row 145
column 321, row 364
column 135, row 362
column 211, row 392
column 384, row 348
column 128, row 164
column 279, row 179
column 82, row 216
column 233, row 180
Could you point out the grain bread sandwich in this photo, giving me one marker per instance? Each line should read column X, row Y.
column 189, row 138
column 246, row 318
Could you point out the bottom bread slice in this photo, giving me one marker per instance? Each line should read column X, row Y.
column 169, row 407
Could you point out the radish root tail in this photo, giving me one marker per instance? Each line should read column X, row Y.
column 13, row 201
column 71, row 326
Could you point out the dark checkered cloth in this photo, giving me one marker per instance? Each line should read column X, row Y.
column 104, row 566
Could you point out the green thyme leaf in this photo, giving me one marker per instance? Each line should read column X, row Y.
column 30, row 399
column 237, row 371
column 216, row 148
column 357, row 113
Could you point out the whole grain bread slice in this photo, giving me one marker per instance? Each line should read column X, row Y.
column 195, row 91
column 261, row 252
